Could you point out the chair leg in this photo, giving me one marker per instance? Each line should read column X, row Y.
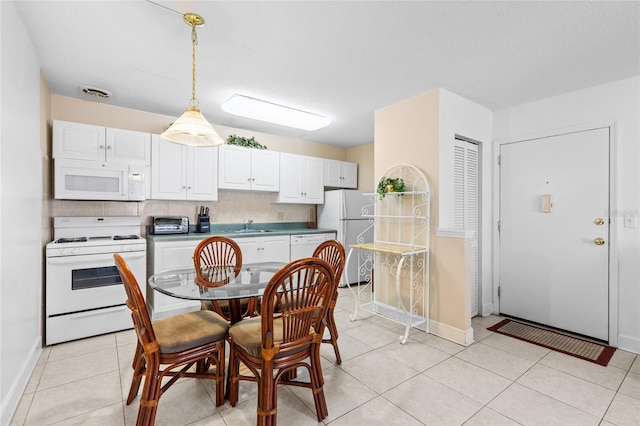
column 220, row 375
column 150, row 395
column 232, row 378
column 333, row 332
column 139, row 365
column 317, row 383
column 267, row 402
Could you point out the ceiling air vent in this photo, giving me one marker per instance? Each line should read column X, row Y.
column 95, row 92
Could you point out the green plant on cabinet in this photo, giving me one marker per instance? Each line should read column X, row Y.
column 246, row 142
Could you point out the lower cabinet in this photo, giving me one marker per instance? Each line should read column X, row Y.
column 164, row 256
column 264, row 249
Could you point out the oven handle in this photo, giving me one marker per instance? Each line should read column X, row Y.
column 65, row 260
column 97, row 312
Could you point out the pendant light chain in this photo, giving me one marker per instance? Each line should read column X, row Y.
column 191, row 128
column 194, row 41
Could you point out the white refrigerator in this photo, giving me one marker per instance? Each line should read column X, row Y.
column 342, row 210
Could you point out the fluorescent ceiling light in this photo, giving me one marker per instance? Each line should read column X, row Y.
column 274, row 113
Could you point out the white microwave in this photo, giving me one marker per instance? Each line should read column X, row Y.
column 95, row 180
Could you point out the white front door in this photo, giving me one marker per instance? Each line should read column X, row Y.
column 554, row 203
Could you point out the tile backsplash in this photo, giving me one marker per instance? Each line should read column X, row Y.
column 231, row 207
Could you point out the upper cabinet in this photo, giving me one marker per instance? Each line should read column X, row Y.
column 340, row 174
column 248, row 169
column 87, row 142
column 180, row 172
column 301, row 179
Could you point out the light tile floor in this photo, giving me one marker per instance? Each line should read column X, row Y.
column 429, row 380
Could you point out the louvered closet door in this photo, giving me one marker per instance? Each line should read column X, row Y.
column 465, row 205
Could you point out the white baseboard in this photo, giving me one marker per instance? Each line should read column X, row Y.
column 456, row 335
column 19, row 384
column 628, row 343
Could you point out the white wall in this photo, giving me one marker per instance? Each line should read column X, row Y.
column 461, row 117
column 617, row 102
column 20, row 210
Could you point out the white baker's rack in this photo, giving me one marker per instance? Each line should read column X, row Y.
column 399, row 253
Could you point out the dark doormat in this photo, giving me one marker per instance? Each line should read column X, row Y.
column 574, row 346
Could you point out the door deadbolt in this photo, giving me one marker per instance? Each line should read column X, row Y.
column 599, row 221
column 599, row 241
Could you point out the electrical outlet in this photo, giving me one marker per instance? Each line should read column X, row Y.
column 280, row 215
column 213, row 218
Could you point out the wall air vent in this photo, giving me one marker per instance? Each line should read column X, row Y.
column 95, row 92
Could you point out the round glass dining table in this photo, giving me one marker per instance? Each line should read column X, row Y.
column 250, row 282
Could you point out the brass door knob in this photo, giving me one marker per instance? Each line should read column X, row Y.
column 599, row 221
column 599, row 241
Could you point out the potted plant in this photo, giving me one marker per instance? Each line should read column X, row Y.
column 387, row 185
column 247, row 142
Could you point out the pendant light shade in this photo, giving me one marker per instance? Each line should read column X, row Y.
column 192, row 128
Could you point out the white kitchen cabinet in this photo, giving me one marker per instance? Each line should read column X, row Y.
column 96, row 143
column 340, row 174
column 180, row 172
column 301, row 179
column 264, row 249
column 164, row 256
column 248, row 169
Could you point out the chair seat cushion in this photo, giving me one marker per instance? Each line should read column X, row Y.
column 190, row 330
column 248, row 334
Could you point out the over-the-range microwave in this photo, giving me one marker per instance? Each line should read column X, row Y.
column 96, row 180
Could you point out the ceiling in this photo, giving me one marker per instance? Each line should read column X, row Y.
column 341, row 59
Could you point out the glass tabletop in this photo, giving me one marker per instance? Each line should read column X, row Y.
column 251, row 281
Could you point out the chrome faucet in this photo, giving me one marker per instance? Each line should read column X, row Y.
column 246, row 225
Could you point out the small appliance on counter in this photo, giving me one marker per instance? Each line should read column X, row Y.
column 169, row 225
column 203, row 220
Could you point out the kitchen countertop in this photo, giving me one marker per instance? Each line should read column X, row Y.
column 229, row 230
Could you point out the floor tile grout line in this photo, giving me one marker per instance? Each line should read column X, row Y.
column 565, row 403
column 582, row 378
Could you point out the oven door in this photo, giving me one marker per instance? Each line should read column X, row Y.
column 90, row 281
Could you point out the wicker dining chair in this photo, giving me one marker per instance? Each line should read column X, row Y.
column 332, row 252
column 216, row 260
column 278, row 342
column 170, row 347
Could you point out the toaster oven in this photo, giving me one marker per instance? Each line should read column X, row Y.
column 169, row 225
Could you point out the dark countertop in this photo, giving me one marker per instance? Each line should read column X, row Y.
column 229, row 230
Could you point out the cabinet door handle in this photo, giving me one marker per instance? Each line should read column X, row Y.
column 101, row 146
column 108, row 146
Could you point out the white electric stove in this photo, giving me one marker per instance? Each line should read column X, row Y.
column 84, row 294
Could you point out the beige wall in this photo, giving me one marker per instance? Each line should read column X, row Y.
column 231, row 207
column 363, row 155
column 407, row 132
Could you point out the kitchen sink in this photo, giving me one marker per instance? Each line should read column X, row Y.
column 252, row 231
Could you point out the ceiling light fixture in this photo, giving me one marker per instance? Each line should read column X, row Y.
column 274, row 113
column 192, row 128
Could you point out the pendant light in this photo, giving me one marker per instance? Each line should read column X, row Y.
column 192, row 128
